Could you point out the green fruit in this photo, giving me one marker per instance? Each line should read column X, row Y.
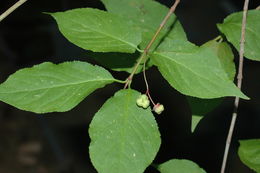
column 158, row 108
column 143, row 101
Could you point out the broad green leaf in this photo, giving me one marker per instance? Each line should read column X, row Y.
column 146, row 15
column 194, row 71
column 124, row 137
column 249, row 153
column 53, row 88
column 231, row 27
column 225, row 55
column 97, row 30
column 179, row 166
column 200, row 107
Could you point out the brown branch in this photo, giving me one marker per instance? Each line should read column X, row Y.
column 11, row 9
column 239, row 83
column 147, row 48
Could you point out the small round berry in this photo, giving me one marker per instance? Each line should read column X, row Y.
column 158, row 108
column 143, row 101
column 139, row 102
column 146, row 104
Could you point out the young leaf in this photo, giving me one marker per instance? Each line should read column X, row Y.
column 194, row 71
column 231, row 27
column 146, row 15
column 97, row 30
column 249, row 153
column 124, row 137
column 53, row 88
column 179, row 166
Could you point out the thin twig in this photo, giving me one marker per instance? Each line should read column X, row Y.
column 146, row 50
column 239, row 83
column 11, row 9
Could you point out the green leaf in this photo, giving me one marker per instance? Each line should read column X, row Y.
column 124, row 137
column 146, row 15
column 53, row 88
column 194, row 71
column 225, row 55
column 200, row 107
column 249, row 153
column 231, row 27
column 195, row 119
column 97, row 30
column 180, row 166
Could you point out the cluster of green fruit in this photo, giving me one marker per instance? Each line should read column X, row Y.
column 144, row 102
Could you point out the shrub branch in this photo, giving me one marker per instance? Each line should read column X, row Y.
column 11, row 9
column 147, row 48
column 239, row 83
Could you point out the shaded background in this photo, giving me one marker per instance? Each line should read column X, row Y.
column 58, row 142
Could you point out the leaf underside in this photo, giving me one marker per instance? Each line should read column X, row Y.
column 124, row 137
column 53, row 88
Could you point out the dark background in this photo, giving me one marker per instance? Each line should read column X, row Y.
column 58, row 142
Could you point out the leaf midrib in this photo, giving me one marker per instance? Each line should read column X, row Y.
column 213, row 82
column 58, row 86
column 106, row 34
